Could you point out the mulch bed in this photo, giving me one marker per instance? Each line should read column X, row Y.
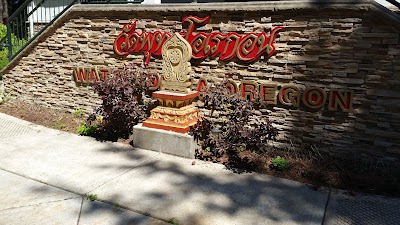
column 301, row 170
column 352, row 176
column 41, row 115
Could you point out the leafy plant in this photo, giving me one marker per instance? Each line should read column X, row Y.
column 124, row 103
column 17, row 45
column 173, row 221
column 3, row 51
column 239, row 127
column 117, row 206
column 91, row 197
column 77, row 112
column 3, row 96
column 58, row 125
column 279, row 163
column 3, row 58
column 87, row 130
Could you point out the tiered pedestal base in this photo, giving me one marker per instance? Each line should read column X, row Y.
column 176, row 112
column 168, row 142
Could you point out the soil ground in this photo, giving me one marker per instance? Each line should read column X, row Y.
column 325, row 174
column 302, row 170
column 44, row 116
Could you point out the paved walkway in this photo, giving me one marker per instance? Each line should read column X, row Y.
column 45, row 174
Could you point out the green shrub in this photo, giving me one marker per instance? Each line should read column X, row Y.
column 3, row 30
column 173, row 221
column 3, row 58
column 87, row 130
column 91, row 197
column 279, row 163
column 77, row 112
column 4, row 50
column 3, row 96
column 58, row 125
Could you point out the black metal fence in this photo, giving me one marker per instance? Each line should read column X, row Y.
column 34, row 16
column 104, row 1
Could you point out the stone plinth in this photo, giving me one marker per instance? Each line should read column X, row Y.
column 168, row 142
column 175, row 113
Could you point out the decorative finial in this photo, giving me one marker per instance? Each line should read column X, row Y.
column 176, row 54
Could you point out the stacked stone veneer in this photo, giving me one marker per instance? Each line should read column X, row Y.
column 349, row 47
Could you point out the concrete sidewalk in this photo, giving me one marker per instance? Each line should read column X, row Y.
column 45, row 173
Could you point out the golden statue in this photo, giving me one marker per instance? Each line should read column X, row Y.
column 176, row 111
column 176, row 54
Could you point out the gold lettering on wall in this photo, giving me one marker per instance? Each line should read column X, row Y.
column 341, row 98
column 89, row 75
column 264, row 91
column 268, row 93
column 314, row 97
column 289, row 95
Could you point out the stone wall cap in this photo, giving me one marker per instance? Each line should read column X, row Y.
column 230, row 6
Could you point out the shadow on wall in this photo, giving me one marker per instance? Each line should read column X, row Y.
column 344, row 50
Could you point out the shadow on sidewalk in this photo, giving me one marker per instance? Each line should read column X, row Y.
column 171, row 187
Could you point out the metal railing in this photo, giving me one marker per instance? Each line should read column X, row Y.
column 394, row 2
column 34, row 16
column 107, row 1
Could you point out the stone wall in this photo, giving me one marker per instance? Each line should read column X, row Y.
column 346, row 46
